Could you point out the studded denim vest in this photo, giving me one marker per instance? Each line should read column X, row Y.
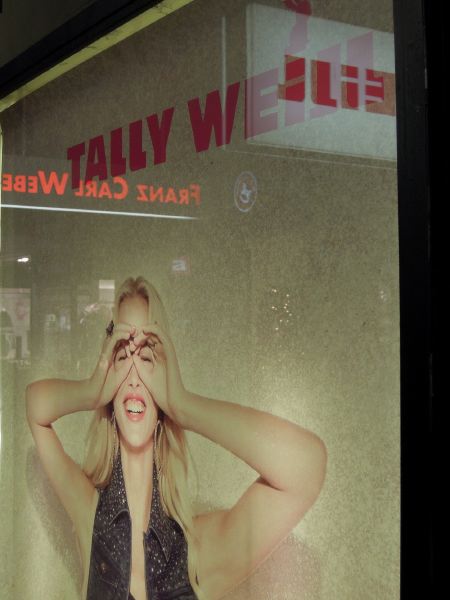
column 165, row 548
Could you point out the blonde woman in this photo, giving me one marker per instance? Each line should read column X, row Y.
column 137, row 535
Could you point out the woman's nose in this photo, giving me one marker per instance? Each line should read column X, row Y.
column 133, row 376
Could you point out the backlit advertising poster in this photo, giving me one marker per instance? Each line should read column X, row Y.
column 200, row 312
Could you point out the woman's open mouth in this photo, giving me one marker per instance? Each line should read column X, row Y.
column 134, row 407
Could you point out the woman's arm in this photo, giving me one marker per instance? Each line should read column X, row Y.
column 46, row 401
column 291, row 462
column 288, row 457
column 49, row 399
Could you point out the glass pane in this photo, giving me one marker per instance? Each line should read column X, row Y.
column 241, row 157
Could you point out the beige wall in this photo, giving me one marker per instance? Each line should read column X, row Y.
column 323, row 230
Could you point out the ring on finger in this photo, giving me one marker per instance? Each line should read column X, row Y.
column 109, row 330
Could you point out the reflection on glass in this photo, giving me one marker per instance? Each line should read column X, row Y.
column 15, row 324
column 338, row 85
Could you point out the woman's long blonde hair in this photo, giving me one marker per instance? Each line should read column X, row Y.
column 171, row 444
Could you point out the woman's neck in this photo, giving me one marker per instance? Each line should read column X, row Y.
column 137, row 467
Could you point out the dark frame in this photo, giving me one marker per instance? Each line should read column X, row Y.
column 98, row 19
column 418, row 27
column 415, row 26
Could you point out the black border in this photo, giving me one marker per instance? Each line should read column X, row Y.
column 437, row 68
column 414, row 32
column 418, row 27
column 89, row 25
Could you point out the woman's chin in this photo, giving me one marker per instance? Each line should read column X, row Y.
column 136, row 440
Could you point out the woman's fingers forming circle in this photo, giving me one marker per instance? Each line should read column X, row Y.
column 154, row 331
column 139, row 338
column 122, row 333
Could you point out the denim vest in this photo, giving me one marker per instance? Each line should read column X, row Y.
column 165, row 548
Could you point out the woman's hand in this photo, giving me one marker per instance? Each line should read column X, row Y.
column 109, row 374
column 157, row 366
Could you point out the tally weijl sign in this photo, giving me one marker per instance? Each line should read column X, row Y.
column 338, row 94
column 333, row 91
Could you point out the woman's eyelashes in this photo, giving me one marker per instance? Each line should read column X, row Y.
column 147, row 354
column 121, row 355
